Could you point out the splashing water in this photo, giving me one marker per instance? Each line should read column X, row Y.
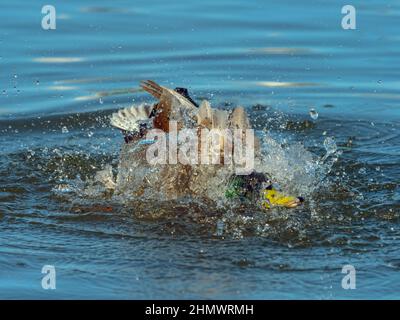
column 128, row 180
column 291, row 166
column 295, row 169
column 313, row 114
column 330, row 145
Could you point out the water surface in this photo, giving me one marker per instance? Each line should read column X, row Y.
column 279, row 59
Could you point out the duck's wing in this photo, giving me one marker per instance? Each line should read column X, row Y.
column 165, row 94
column 238, row 119
column 172, row 106
column 129, row 119
column 220, row 119
column 205, row 115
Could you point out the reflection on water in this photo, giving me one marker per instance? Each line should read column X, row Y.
column 287, row 51
column 275, row 84
column 281, row 60
column 62, row 88
column 57, row 60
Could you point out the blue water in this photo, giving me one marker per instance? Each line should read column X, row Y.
column 290, row 55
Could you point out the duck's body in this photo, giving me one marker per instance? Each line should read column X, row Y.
column 138, row 178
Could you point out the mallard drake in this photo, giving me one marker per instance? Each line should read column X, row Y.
column 177, row 105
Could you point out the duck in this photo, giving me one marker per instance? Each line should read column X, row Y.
column 137, row 178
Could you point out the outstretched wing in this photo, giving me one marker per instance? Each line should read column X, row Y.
column 165, row 94
column 129, row 119
column 172, row 106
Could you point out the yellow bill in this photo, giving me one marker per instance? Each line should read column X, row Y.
column 272, row 198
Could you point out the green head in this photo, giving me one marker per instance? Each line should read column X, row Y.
column 250, row 188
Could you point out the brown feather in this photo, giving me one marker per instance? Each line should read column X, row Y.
column 153, row 88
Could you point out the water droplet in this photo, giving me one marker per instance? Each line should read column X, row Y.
column 313, row 114
column 379, row 81
column 30, row 154
column 362, row 171
column 64, row 129
column 101, row 101
column 90, row 134
column 37, row 82
column 220, row 228
column 15, row 76
column 330, row 145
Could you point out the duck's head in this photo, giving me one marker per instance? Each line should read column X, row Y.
column 274, row 198
column 258, row 185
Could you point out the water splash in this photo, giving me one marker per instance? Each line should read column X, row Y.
column 330, row 147
column 292, row 166
column 313, row 114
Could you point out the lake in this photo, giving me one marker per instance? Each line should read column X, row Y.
column 278, row 59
